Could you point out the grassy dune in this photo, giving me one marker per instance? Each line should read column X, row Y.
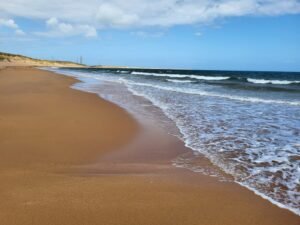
column 7, row 59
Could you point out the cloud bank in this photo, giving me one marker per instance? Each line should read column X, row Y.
column 100, row 14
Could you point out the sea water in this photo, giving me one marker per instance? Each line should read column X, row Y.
column 245, row 123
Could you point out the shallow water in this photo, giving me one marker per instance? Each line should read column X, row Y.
column 247, row 124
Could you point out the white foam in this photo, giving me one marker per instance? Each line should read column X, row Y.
column 213, row 94
column 180, row 81
column 264, row 196
column 262, row 81
column 160, row 74
column 189, row 141
column 198, row 77
column 209, row 77
column 257, row 154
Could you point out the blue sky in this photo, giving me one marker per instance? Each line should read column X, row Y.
column 226, row 35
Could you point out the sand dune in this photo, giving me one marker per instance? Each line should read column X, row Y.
column 7, row 59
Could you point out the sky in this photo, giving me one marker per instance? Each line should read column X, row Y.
column 187, row 34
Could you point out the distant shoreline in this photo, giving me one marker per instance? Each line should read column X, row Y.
column 9, row 59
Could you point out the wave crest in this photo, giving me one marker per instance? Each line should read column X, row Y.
column 198, row 77
column 263, row 81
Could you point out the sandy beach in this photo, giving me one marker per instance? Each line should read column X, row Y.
column 71, row 158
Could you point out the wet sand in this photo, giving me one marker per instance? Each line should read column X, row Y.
column 68, row 157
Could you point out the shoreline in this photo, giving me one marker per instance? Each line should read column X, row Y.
column 207, row 168
column 134, row 179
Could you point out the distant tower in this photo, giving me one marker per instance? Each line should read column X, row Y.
column 80, row 59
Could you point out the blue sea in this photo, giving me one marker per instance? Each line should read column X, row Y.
column 246, row 123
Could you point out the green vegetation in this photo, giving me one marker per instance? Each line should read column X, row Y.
column 4, row 58
column 15, row 57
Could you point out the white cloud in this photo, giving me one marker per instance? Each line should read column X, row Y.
column 8, row 23
column 52, row 22
column 112, row 15
column 11, row 24
column 141, row 13
column 60, row 29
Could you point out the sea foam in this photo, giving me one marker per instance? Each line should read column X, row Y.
column 252, row 137
column 262, row 81
column 198, row 77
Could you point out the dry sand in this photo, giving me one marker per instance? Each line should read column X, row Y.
column 71, row 158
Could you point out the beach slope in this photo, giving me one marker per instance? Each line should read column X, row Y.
column 71, row 158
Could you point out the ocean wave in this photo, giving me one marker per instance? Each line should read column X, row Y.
column 263, row 81
column 122, row 71
column 179, row 89
column 256, row 154
column 180, row 81
column 213, row 94
column 218, row 78
column 258, row 178
column 209, row 77
column 160, row 74
column 198, row 77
